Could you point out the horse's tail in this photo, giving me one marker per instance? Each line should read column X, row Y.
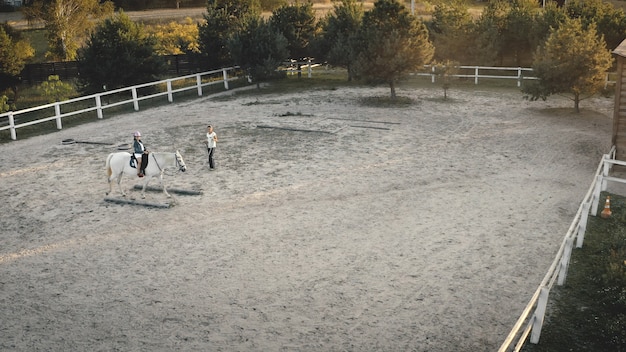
column 108, row 166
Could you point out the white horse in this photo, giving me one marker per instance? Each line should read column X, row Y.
column 118, row 164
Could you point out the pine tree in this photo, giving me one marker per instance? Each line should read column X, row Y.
column 390, row 43
column 299, row 26
column 223, row 19
column 258, row 50
column 118, row 54
column 572, row 61
column 338, row 28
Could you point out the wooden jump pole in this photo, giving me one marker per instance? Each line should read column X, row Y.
column 173, row 190
column 136, row 202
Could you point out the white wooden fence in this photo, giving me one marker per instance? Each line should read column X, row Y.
column 97, row 102
column 479, row 72
column 531, row 320
column 475, row 72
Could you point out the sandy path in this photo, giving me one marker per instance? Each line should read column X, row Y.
column 422, row 228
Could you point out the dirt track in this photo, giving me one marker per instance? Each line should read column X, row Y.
column 419, row 228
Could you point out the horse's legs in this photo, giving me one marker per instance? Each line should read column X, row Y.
column 145, row 184
column 163, row 185
column 119, row 184
column 110, row 185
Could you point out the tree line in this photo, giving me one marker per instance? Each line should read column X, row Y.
column 568, row 46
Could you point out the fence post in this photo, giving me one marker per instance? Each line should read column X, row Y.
column 519, row 76
column 476, row 75
column 582, row 225
column 170, row 97
column 12, row 124
column 596, row 195
column 567, row 254
column 135, row 101
column 432, row 75
column 199, row 84
column 310, row 69
column 99, row 106
column 57, row 112
column 607, row 165
column 540, row 312
column 225, row 79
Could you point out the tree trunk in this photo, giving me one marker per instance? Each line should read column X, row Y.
column 576, row 102
column 392, row 85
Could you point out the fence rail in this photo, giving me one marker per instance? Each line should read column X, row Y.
column 178, row 63
column 98, row 102
column 477, row 72
column 531, row 320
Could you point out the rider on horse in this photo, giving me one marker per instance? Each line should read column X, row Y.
column 139, row 150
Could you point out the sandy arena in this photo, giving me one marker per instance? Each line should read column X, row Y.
column 344, row 227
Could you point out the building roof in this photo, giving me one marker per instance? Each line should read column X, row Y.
column 621, row 49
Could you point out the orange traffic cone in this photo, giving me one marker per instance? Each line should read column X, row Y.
column 606, row 213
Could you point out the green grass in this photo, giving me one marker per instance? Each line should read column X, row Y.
column 588, row 313
column 39, row 42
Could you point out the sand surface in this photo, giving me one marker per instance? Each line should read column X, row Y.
column 329, row 225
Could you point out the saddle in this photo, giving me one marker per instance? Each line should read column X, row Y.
column 133, row 162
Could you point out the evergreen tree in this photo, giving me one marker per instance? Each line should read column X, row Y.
column 299, row 26
column 223, row 19
column 518, row 31
column 390, row 43
column 338, row 28
column 118, row 54
column 607, row 20
column 550, row 17
column 573, row 61
column 490, row 29
column 14, row 51
column 259, row 50
column 452, row 32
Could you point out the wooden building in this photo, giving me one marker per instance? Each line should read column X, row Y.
column 618, row 137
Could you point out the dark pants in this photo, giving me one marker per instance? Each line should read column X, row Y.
column 211, row 162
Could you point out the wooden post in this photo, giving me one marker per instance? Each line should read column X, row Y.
column 199, row 84
column 582, row 225
column 564, row 265
column 540, row 312
column 99, row 106
column 57, row 113
column 12, row 124
column 170, row 97
column 135, row 100
column 225, row 79
column 596, row 195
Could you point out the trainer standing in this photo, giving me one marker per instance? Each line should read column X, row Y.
column 211, row 143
